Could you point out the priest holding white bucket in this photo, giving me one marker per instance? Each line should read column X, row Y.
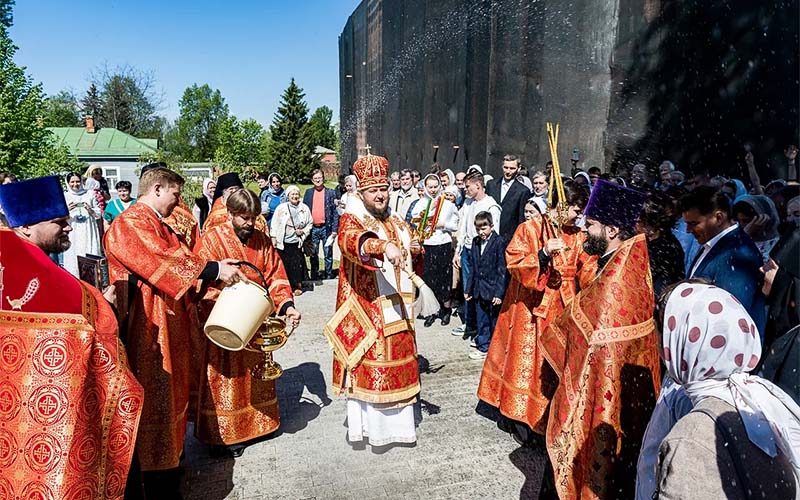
column 234, row 406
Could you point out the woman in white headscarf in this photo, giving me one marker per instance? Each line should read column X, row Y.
column 742, row 438
column 351, row 188
column 437, row 265
column 582, row 178
column 202, row 205
column 84, row 215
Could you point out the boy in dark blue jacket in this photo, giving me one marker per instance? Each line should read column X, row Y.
column 487, row 282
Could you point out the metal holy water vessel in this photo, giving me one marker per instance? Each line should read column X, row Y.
column 270, row 336
column 241, row 319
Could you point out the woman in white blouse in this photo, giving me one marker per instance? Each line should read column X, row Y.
column 84, row 214
column 437, row 270
column 290, row 226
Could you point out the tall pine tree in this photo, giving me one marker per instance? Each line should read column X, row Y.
column 292, row 146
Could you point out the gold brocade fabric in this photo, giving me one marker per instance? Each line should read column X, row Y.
column 378, row 366
column 182, row 221
column 69, row 404
column 233, row 406
column 159, row 325
column 603, row 347
column 516, row 378
column 219, row 215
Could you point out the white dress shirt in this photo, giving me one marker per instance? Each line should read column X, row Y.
column 504, row 187
column 708, row 245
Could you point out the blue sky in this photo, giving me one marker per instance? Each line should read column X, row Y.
column 248, row 49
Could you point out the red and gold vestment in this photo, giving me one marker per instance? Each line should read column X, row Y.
column 69, row 404
column 159, row 325
column 182, row 221
column 233, row 406
column 372, row 331
column 218, row 214
column 603, row 348
column 516, row 377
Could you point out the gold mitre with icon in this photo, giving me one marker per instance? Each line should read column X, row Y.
column 371, row 171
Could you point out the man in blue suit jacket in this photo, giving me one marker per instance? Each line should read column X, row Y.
column 728, row 257
column 326, row 222
column 486, row 283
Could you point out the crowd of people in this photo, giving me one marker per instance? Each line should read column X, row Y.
column 627, row 323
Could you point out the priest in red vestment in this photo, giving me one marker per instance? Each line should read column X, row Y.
column 153, row 270
column 603, row 348
column 218, row 214
column 548, row 266
column 233, row 406
column 69, row 404
column 372, row 331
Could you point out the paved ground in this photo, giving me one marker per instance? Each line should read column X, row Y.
column 458, row 454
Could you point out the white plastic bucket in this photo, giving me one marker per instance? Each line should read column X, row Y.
column 240, row 310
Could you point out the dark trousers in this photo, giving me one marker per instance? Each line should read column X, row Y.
column 469, row 315
column 295, row 264
column 318, row 237
column 487, row 319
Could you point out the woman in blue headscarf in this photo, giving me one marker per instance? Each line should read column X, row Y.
column 275, row 195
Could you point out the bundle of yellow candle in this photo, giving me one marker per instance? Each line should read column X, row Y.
column 556, row 184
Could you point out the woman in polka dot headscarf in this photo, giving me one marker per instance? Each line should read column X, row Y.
column 709, row 346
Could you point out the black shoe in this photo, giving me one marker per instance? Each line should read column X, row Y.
column 236, row 450
column 430, row 320
column 222, row 451
column 446, row 318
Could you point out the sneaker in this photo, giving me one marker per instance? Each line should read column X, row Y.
column 472, row 343
column 477, row 355
column 459, row 330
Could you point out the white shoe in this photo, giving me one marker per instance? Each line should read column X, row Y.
column 472, row 343
column 458, row 331
column 477, row 355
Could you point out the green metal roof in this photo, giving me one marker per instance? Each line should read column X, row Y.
column 105, row 142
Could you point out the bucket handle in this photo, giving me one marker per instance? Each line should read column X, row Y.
column 254, row 268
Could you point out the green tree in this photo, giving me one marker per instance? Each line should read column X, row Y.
column 240, row 144
column 91, row 103
column 128, row 101
column 292, row 146
column 26, row 148
column 323, row 134
column 61, row 110
column 6, row 15
column 203, row 112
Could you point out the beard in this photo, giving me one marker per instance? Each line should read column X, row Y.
column 379, row 213
column 243, row 234
column 57, row 244
column 595, row 245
